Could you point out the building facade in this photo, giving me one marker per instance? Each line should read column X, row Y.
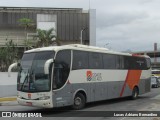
column 68, row 24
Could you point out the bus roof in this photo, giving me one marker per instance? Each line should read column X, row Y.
column 80, row 47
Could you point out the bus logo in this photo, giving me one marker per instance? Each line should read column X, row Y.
column 29, row 95
column 89, row 75
column 93, row 76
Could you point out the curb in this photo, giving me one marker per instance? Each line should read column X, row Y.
column 8, row 99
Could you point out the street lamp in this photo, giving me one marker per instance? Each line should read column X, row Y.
column 82, row 34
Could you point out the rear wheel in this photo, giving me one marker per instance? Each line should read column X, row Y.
column 135, row 93
column 79, row 101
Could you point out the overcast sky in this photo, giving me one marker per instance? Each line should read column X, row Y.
column 124, row 24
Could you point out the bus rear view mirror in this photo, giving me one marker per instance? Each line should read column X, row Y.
column 46, row 66
column 18, row 64
column 10, row 68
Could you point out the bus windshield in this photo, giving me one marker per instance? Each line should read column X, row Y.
column 31, row 76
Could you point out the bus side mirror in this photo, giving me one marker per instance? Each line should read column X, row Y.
column 10, row 68
column 46, row 66
column 18, row 64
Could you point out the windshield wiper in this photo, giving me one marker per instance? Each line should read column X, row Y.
column 24, row 81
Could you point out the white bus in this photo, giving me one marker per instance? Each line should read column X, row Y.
column 77, row 74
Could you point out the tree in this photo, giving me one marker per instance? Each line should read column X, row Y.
column 26, row 23
column 8, row 55
column 46, row 38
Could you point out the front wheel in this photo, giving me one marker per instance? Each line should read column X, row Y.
column 79, row 101
column 135, row 93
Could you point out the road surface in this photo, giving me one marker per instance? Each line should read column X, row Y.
column 147, row 102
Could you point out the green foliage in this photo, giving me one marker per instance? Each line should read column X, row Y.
column 46, row 37
column 8, row 55
column 25, row 22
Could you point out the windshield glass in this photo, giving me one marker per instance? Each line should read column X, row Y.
column 31, row 77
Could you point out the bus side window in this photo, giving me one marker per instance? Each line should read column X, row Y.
column 127, row 62
column 61, row 68
column 140, row 63
column 109, row 61
column 119, row 62
column 80, row 60
column 95, row 60
column 148, row 62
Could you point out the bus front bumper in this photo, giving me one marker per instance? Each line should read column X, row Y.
column 36, row 103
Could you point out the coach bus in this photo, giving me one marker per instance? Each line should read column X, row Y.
column 73, row 75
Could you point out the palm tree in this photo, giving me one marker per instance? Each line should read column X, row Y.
column 26, row 23
column 46, row 38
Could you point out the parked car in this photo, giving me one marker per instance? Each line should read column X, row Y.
column 155, row 81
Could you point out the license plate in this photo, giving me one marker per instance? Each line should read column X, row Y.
column 29, row 103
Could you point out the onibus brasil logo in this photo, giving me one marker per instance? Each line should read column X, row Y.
column 93, row 76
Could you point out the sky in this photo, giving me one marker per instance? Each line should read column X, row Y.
column 121, row 25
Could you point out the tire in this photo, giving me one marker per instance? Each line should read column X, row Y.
column 135, row 93
column 79, row 101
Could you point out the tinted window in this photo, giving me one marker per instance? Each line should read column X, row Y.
column 64, row 57
column 95, row 61
column 140, row 63
column 80, row 60
column 129, row 62
column 109, row 61
column 119, row 62
column 28, row 58
column 126, row 62
column 61, row 68
column 148, row 62
column 135, row 63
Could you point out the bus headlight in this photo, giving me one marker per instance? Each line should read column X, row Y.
column 18, row 96
column 44, row 98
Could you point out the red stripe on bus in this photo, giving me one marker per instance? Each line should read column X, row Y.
column 132, row 79
column 124, row 85
column 137, row 55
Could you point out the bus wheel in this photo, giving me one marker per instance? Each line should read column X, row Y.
column 135, row 93
column 79, row 101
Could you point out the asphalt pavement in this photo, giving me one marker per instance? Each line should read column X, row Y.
column 148, row 102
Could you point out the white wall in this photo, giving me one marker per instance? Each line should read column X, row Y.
column 47, row 21
column 8, row 84
column 5, row 80
column 92, row 25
